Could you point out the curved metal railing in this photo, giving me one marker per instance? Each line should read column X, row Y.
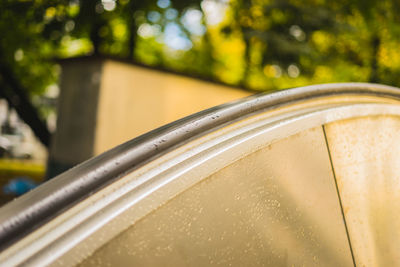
column 161, row 157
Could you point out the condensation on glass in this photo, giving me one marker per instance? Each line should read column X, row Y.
column 276, row 207
column 366, row 156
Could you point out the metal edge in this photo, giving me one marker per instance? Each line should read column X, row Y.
column 53, row 241
column 35, row 208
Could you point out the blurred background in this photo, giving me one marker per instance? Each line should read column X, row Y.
column 47, row 47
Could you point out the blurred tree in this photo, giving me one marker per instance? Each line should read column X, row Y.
column 262, row 44
column 35, row 32
column 21, row 60
column 314, row 40
column 277, row 32
column 381, row 20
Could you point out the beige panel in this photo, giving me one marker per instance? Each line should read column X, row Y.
column 131, row 103
column 135, row 100
column 276, row 207
column 185, row 96
column 366, row 158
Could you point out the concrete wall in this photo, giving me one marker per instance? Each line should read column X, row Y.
column 104, row 103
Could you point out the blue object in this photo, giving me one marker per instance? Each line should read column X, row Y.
column 19, row 186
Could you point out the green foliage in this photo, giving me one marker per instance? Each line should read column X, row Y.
column 263, row 44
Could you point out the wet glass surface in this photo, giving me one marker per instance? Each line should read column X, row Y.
column 276, row 207
column 366, row 157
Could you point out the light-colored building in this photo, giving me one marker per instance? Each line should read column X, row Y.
column 105, row 102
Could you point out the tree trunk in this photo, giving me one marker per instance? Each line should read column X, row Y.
column 132, row 8
column 95, row 38
column 247, row 63
column 375, row 43
column 16, row 96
